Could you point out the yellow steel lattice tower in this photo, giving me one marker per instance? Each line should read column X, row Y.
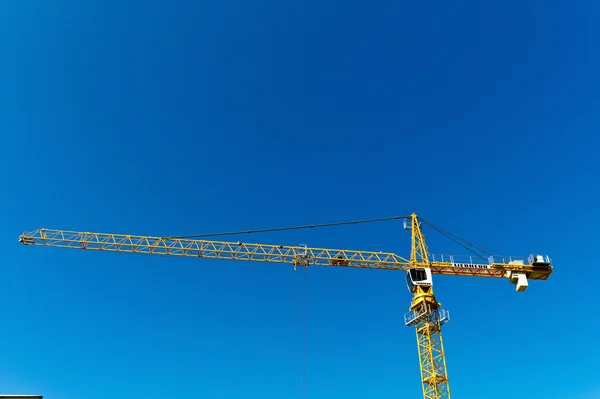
column 427, row 315
column 431, row 356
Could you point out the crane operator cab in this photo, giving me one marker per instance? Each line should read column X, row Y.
column 418, row 276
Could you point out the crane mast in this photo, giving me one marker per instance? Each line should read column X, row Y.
column 427, row 315
column 425, row 312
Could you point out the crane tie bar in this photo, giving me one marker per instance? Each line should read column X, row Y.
column 309, row 226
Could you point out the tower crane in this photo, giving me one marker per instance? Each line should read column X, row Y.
column 425, row 312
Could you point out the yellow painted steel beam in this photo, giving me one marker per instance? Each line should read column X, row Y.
column 432, row 359
column 297, row 255
column 428, row 325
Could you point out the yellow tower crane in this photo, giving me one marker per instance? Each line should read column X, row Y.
column 425, row 312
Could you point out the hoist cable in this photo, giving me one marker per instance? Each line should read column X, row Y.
column 305, row 323
column 298, row 338
column 310, row 226
column 298, row 331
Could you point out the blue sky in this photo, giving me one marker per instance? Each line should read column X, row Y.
column 181, row 117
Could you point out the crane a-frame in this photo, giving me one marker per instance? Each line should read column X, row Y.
column 425, row 312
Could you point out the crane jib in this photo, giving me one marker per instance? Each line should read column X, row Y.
column 297, row 255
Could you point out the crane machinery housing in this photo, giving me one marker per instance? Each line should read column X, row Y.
column 425, row 312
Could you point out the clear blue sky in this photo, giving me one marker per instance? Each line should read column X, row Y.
column 181, row 117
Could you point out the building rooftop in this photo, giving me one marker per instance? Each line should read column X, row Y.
column 2, row 396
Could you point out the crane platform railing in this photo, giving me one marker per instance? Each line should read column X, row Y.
column 413, row 317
